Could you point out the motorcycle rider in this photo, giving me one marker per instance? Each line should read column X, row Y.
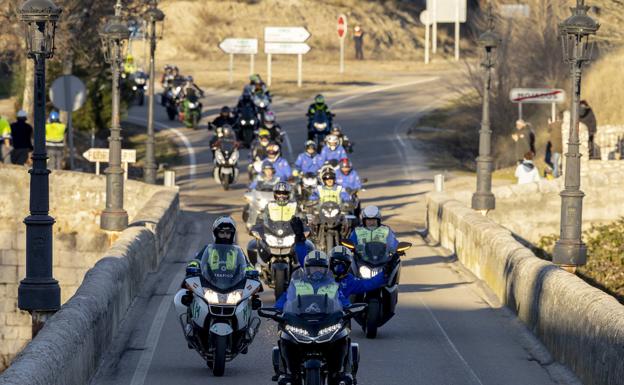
column 222, row 133
column 269, row 123
column 245, row 100
column 259, row 146
column 282, row 168
column 257, row 85
column 342, row 138
column 372, row 230
column 190, row 85
column 225, row 117
column 318, row 105
column 267, row 178
column 332, row 151
column 308, row 161
column 329, row 191
column 348, row 178
column 282, row 208
column 190, row 92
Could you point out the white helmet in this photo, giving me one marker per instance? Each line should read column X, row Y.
column 22, row 114
column 224, row 223
column 371, row 212
column 331, row 140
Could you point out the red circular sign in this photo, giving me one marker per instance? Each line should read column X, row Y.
column 342, row 26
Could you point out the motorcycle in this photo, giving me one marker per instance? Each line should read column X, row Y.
column 215, row 307
column 257, row 200
column 262, row 103
column 139, row 86
column 226, row 163
column 247, row 124
column 274, row 243
column 192, row 111
column 305, row 188
column 330, row 222
column 317, row 327
column 371, row 259
column 319, row 127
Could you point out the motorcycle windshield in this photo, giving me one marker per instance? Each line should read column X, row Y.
column 228, row 145
column 223, row 266
column 279, row 228
column 312, row 298
column 375, row 253
column 248, row 113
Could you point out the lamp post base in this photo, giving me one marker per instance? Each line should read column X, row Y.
column 39, row 294
column 570, row 253
column 114, row 220
column 483, row 201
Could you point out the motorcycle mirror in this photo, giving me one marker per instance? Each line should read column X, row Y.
column 403, row 246
column 348, row 244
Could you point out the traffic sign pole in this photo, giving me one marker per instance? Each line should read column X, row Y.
column 70, row 127
column 252, row 64
column 231, row 67
column 299, row 70
column 342, row 47
column 427, row 37
column 342, row 34
column 457, row 30
column 435, row 26
column 269, row 70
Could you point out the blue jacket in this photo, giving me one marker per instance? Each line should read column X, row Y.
column 329, row 154
column 307, row 163
column 282, row 168
column 392, row 242
column 351, row 181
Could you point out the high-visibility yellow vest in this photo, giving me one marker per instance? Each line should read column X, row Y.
column 5, row 128
column 327, row 194
column 55, row 134
column 364, row 235
column 305, row 288
column 279, row 213
column 216, row 259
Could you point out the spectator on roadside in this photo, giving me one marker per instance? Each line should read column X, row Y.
column 55, row 141
column 526, row 172
column 5, row 143
column 587, row 117
column 358, row 38
column 524, row 139
column 21, row 138
column 556, row 142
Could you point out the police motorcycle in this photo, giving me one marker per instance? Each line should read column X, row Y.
column 370, row 259
column 319, row 127
column 314, row 334
column 226, row 163
column 274, row 243
column 139, row 86
column 215, row 306
column 257, row 200
column 247, row 124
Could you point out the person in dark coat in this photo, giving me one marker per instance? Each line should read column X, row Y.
column 21, row 139
column 587, row 117
column 358, row 38
column 524, row 140
column 556, row 143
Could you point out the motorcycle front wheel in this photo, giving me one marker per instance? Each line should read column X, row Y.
column 372, row 318
column 280, row 283
column 218, row 365
column 313, row 376
column 171, row 113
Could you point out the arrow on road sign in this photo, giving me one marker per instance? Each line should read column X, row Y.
column 286, row 34
column 286, row 48
column 239, row 46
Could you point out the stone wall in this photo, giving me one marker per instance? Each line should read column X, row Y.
column 582, row 327
column 76, row 200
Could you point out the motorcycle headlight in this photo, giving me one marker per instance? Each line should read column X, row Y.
column 234, row 157
column 289, row 240
column 252, row 121
column 234, row 297
column 261, row 104
column 297, row 331
column 211, row 296
column 243, row 121
column 366, row 272
column 330, row 329
column 219, row 157
column 321, row 126
column 192, row 105
column 273, row 241
column 134, row 88
column 330, row 213
column 310, row 182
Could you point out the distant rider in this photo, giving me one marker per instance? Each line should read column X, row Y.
column 282, row 168
column 329, row 191
column 332, row 151
column 259, row 146
column 225, row 117
column 282, row 208
column 266, row 178
column 348, row 178
column 269, row 122
column 308, row 161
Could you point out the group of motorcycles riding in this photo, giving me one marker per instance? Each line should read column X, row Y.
column 181, row 97
column 328, row 261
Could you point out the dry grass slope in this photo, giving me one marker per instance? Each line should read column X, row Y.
column 603, row 88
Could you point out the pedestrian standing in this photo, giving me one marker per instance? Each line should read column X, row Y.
column 55, row 141
column 5, row 137
column 556, row 142
column 526, row 172
column 21, row 139
column 524, row 140
column 358, row 38
column 587, row 117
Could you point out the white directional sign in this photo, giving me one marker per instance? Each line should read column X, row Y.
column 446, row 11
column 286, row 48
column 286, row 34
column 239, row 46
column 100, row 155
column 537, row 95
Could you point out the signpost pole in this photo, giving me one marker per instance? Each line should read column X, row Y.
column 299, row 70
column 70, row 129
column 519, row 111
column 553, row 112
column 269, row 70
column 435, row 27
column 427, row 38
column 457, row 30
column 231, row 68
column 342, row 47
column 252, row 64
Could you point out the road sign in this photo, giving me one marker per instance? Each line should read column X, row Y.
column 68, row 93
column 445, row 10
column 515, row 11
column 286, row 48
column 537, row 95
column 286, row 34
column 101, row 155
column 342, row 26
column 425, row 18
column 239, row 46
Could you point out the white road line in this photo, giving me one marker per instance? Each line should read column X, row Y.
column 181, row 136
column 384, row 88
column 451, row 344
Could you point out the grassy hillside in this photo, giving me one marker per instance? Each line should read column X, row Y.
column 602, row 87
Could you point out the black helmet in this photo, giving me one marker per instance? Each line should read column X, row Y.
column 225, row 110
column 281, row 193
column 224, row 230
column 310, row 144
column 319, row 99
column 340, row 261
column 316, row 265
column 328, row 174
column 266, row 165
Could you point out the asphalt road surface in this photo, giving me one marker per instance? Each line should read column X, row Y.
column 447, row 329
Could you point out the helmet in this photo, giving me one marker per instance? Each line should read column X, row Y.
column 316, row 265
column 340, row 261
column 281, row 193
column 189, row 78
column 319, row 99
column 346, row 163
column 225, row 110
column 168, row 67
column 255, row 78
column 273, row 150
column 224, row 230
column 336, row 130
column 269, row 116
column 264, row 133
column 331, row 140
column 310, row 144
column 371, row 212
column 21, row 114
column 266, row 165
column 54, row 116
column 328, row 174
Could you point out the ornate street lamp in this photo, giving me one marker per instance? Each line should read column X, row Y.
column 114, row 35
column 39, row 293
column 153, row 15
column 483, row 199
column 575, row 32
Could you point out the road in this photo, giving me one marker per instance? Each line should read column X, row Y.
column 447, row 330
